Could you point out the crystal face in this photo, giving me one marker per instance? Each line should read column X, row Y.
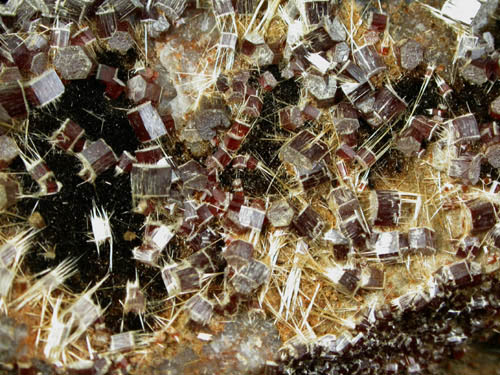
column 72, row 63
column 244, row 187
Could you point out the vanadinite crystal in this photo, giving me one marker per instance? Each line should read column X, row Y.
column 248, row 187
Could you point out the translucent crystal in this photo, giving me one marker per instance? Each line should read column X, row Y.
column 280, row 214
column 146, row 122
column 335, row 29
column 252, row 217
column 96, row 158
column 238, row 253
column 322, row 88
column 250, row 277
column 262, row 56
column 209, row 120
column 39, row 63
column 70, row 136
column 158, row 27
column 8, row 192
column 200, row 309
column 106, row 20
column 369, row 60
column 386, row 207
column 386, row 246
column 475, row 73
column 267, row 81
column 345, row 118
column 44, row 89
column 422, row 240
column 122, row 342
column 465, row 128
column 495, row 108
column 372, row 278
column 291, row 118
column 150, row 180
column 140, row 90
column 466, row 168
column 121, row 41
column 411, row 54
column 341, row 52
column 135, row 300
column 309, row 223
column 8, row 150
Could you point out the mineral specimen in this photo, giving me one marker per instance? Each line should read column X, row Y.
column 283, row 187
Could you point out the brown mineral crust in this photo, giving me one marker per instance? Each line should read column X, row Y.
column 410, row 19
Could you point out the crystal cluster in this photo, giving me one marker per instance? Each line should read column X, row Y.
column 314, row 161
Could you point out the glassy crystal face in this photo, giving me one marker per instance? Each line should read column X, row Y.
column 72, row 63
column 314, row 181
